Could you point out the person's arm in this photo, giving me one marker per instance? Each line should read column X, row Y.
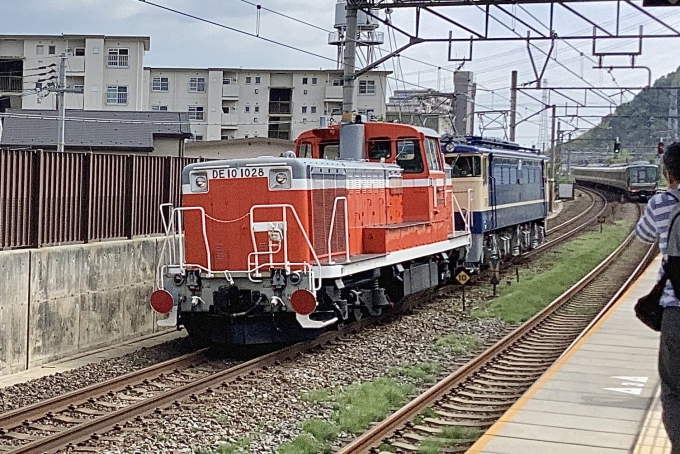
column 645, row 230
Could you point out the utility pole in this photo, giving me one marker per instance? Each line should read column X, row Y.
column 551, row 196
column 60, row 90
column 513, row 105
column 349, row 62
column 61, row 86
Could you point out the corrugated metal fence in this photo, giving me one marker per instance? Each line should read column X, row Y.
column 49, row 198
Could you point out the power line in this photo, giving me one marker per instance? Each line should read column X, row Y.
column 243, row 32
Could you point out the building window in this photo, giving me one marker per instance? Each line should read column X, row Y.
column 338, row 82
column 257, row 109
column 118, row 58
column 79, row 52
column 52, row 50
column 79, row 88
column 304, row 109
column 304, row 80
column 313, row 109
column 257, row 91
column 225, row 108
column 247, row 109
column 304, row 120
column 159, row 84
column 226, row 81
column 196, row 84
column 196, row 113
column 159, row 108
column 314, row 80
column 367, row 87
column 225, row 135
column 249, row 80
column 198, row 138
column 95, row 50
column 257, row 79
column 39, row 49
column 116, row 94
column 255, row 120
column 305, row 92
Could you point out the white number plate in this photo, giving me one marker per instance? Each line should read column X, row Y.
column 241, row 172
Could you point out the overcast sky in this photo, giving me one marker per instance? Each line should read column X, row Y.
column 180, row 41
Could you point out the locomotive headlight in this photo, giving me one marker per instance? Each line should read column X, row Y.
column 450, row 147
column 199, row 181
column 281, row 178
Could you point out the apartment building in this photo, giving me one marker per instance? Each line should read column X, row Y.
column 240, row 103
column 222, row 103
column 108, row 70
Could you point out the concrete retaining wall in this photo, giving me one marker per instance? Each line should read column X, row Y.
column 58, row 301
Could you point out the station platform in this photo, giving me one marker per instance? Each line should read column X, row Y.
column 600, row 397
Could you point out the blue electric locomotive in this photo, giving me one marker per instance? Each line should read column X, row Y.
column 509, row 204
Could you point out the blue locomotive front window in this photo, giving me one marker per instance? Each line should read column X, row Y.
column 409, row 157
column 466, row 166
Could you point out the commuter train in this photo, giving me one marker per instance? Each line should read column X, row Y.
column 279, row 249
column 637, row 180
column 509, row 204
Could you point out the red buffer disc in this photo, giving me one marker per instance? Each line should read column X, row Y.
column 303, row 302
column 161, row 301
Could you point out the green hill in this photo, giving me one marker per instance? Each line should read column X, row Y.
column 638, row 124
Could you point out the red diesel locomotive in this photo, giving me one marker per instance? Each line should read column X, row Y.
column 269, row 250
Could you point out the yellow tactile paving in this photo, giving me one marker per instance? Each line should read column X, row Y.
column 653, row 438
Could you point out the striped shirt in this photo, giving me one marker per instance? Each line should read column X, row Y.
column 653, row 226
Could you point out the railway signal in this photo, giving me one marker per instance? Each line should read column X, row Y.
column 617, row 146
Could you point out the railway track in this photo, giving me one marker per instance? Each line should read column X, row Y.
column 73, row 418
column 455, row 412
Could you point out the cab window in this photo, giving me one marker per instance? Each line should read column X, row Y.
column 432, row 152
column 409, row 157
column 330, row 151
column 305, row 150
column 379, row 149
column 466, row 166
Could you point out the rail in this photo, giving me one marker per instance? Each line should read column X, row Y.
column 382, row 431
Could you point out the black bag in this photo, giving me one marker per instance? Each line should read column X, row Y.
column 648, row 309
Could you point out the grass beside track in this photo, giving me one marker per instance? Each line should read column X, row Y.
column 356, row 406
column 559, row 270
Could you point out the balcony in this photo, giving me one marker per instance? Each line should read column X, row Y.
column 75, row 101
column 75, row 65
column 280, row 107
column 333, row 93
column 230, row 119
column 230, row 91
column 10, row 84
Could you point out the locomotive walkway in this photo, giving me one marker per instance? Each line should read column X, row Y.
column 600, row 397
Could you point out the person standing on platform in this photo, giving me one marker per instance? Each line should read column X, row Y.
column 653, row 226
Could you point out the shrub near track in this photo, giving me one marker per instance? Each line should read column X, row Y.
column 552, row 274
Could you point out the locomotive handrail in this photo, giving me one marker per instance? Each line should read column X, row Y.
column 284, row 207
column 330, row 232
column 466, row 219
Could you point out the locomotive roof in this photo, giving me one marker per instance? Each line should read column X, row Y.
column 465, row 148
